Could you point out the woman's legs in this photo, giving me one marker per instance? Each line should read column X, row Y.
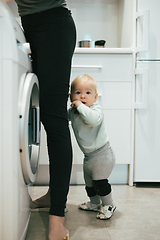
column 52, row 38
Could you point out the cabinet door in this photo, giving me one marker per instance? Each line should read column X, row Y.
column 77, row 153
column 147, row 128
column 113, row 74
column 119, row 131
column 118, row 128
column 114, row 95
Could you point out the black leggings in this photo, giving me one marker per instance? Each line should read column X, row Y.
column 52, row 38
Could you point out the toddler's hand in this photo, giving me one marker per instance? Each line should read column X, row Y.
column 76, row 103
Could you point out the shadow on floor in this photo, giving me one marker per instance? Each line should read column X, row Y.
column 81, row 224
column 147, row 184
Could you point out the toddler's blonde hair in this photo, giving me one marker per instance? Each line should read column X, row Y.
column 85, row 77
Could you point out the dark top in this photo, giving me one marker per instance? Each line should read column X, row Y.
column 26, row 7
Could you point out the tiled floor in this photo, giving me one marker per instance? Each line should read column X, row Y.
column 137, row 216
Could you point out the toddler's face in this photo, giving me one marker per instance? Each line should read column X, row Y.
column 85, row 92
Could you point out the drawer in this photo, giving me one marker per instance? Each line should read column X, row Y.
column 114, row 95
column 103, row 67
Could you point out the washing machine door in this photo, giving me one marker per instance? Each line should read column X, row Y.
column 29, row 123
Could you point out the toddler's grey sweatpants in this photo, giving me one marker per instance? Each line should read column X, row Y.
column 99, row 165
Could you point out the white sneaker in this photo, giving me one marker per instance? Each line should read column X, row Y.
column 88, row 206
column 106, row 211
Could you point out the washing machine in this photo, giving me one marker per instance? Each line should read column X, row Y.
column 19, row 128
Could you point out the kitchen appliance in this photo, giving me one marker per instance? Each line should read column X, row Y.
column 147, row 93
column 19, row 128
column 85, row 43
column 100, row 43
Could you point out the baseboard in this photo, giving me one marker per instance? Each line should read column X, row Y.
column 119, row 175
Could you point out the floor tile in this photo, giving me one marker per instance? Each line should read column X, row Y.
column 136, row 216
column 84, row 225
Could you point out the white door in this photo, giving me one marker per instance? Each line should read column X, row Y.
column 29, row 122
column 147, row 122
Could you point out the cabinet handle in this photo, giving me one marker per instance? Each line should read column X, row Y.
column 143, row 90
column 145, row 15
column 87, row 66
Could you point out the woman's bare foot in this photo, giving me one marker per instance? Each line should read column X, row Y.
column 57, row 231
column 42, row 202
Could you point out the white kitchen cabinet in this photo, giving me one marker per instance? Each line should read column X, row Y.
column 77, row 153
column 114, row 95
column 113, row 74
column 118, row 127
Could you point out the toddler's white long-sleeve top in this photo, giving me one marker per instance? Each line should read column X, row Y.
column 89, row 127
